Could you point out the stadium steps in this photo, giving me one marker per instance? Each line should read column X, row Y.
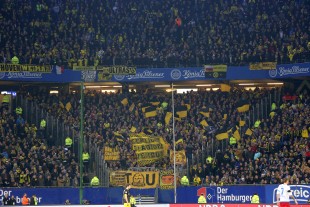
column 145, row 200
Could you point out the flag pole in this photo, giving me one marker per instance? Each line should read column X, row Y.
column 173, row 136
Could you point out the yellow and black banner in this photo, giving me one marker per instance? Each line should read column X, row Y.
column 118, row 178
column 180, row 157
column 149, row 149
column 150, row 111
column 215, row 71
column 117, row 70
column 263, row 66
column 243, row 106
column 25, row 68
column 111, row 154
column 205, row 112
column 166, row 180
column 181, row 111
column 136, row 179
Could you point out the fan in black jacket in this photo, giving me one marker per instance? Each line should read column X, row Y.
column 6, row 200
column 12, row 201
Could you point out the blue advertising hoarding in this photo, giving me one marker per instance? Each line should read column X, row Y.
column 159, row 74
column 214, row 194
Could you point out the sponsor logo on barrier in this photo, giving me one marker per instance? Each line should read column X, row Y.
column 176, row 74
column 293, row 70
column 223, row 195
column 146, row 74
column 300, row 192
column 188, row 74
column 119, row 77
column 20, row 75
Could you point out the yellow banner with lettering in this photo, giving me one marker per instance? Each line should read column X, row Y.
column 118, row 178
column 263, row 66
column 149, row 149
column 25, row 68
column 117, row 70
column 180, row 157
column 111, row 154
column 166, row 180
column 136, row 179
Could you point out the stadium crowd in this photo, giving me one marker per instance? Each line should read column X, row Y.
column 154, row 33
column 263, row 156
column 27, row 161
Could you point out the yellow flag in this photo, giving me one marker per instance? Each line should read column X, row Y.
column 241, row 123
column 188, row 106
column 132, row 106
column 68, row 106
column 168, row 117
column 144, row 108
column 124, row 101
column 305, row 133
column 243, row 108
column 179, row 141
column 249, row 132
column 225, row 88
column 236, row 134
column 61, row 105
column 225, row 116
column 133, row 129
column 222, row 136
column 204, row 123
column 150, row 112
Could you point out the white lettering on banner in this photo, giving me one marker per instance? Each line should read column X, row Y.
column 293, row 70
column 23, row 75
column 146, row 74
column 2, row 192
column 187, row 74
column 223, row 196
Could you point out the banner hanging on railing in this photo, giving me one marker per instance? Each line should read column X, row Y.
column 166, row 179
column 15, row 68
column 137, row 179
column 263, row 66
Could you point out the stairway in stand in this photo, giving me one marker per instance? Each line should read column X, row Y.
column 144, row 199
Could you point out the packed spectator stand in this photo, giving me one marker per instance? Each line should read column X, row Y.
column 154, row 33
column 277, row 147
column 27, row 160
